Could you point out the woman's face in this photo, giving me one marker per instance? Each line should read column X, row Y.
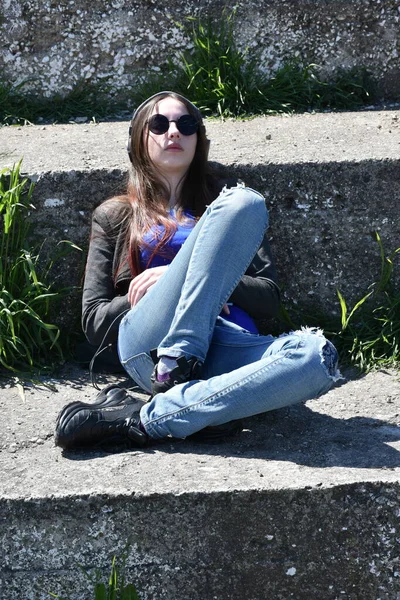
column 171, row 152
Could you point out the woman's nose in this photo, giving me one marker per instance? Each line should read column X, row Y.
column 173, row 131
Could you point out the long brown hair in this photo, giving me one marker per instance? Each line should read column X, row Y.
column 147, row 194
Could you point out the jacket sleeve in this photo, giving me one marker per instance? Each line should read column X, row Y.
column 102, row 308
column 257, row 292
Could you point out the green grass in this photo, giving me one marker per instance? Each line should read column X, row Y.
column 219, row 78
column 27, row 340
column 222, row 80
column 367, row 335
column 114, row 589
column 90, row 100
column 370, row 331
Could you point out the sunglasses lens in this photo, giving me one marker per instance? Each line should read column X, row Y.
column 158, row 124
column 187, row 124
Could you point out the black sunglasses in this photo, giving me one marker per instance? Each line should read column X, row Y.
column 186, row 124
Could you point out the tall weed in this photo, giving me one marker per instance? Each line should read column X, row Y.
column 27, row 340
column 115, row 589
column 367, row 335
column 219, row 78
column 223, row 80
column 370, row 331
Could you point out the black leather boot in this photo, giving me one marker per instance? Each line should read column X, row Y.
column 89, row 426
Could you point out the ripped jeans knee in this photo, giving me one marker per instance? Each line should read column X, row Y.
column 330, row 360
column 328, row 353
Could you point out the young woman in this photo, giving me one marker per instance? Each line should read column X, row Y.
column 178, row 271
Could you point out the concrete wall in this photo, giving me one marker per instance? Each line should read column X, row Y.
column 322, row 221
column 330, row 180
column 307, row 544
column 56, row 44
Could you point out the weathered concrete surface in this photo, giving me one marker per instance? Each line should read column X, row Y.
column 329, row 180
column 304, row 504
column 57, row 44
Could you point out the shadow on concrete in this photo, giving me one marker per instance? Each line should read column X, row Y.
column 74, row 377
column 305, row 437
column 298, row 435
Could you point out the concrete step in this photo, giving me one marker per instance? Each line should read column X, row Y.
column 329, row 179
column 304, row 504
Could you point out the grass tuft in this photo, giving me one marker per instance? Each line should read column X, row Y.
column 370, row 331
column 367, row 335
column 114, row 589
column 91, row 100
column 224, row 81
column 27, row 340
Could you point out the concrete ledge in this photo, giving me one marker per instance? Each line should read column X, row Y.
column 305, row 503
column 330, row 180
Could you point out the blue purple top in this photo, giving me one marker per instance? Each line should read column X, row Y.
column 148, row 260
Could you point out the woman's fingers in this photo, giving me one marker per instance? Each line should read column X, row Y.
column 225, row 309
column 142, row 282
column 138, row 287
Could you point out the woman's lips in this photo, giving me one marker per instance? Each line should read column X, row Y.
column 174, row 148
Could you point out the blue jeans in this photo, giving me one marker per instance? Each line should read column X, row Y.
column 244, row 373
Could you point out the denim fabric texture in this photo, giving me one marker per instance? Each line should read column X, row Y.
column 244, row 373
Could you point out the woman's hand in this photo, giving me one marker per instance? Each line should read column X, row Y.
column 226, row 309
column 142, row 282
